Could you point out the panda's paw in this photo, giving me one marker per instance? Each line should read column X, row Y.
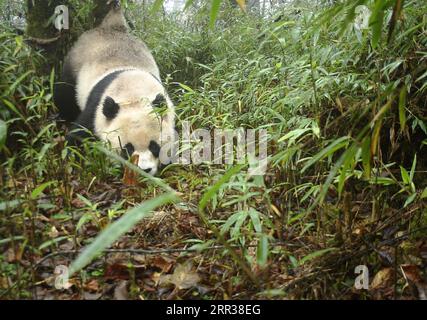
column 72, row 140
column 77, row 135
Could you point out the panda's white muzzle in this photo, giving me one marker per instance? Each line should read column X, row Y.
column 148, row 162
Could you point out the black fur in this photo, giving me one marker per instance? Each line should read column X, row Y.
column 64, row 95
column 86, row 118
column 128, row 150
column 158, row 101
column 98, row 90
column 110, row 108
column 154, row 148
column 77, row 134
column 158, row 80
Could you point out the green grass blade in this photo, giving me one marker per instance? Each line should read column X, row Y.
column 315, row 254
column 3, row 133
column 262, row 251
column 332, row 148
column 216, row 4
column 157, row 5
column 402, row 111
column 214, row 189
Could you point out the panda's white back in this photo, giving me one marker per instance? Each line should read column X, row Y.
column 106, row 49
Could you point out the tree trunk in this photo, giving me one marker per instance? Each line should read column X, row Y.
column 42, row 33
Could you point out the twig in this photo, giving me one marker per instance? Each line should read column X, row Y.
column 151, row 251
column 43, row 42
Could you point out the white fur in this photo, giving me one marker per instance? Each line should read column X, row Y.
column 136, row 122
column 146, row 161
column 88, row 77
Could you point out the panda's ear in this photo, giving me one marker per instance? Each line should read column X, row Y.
column 110, row 108
column 158, row 101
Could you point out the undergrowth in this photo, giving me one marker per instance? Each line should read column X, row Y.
column 345, row 186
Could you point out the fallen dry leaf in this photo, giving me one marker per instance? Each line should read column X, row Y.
column 412, row 275
column 242, row 4
column 92, row 286
column 121, row 291
column 13, row 255
column 4, row 284
column 183, row 277
column 53, row 233
column 162, row 263
column 382, row 279
column 423, row 250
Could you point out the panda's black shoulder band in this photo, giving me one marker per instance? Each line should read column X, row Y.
column 99, row 89
column 87, row 117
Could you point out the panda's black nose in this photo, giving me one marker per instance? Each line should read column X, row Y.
column 147, row 170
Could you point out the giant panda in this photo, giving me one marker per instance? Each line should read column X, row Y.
column 111, row 88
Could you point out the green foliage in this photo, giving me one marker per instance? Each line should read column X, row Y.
column 345, row 114
column 3, row 133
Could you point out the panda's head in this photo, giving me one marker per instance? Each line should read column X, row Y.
column 136, row 119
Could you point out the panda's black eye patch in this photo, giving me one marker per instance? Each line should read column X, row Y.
column 110, row 108
column 154, row 148
column 128, row 150
column 158, row 101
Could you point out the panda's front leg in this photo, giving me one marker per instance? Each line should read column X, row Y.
column 64, row 95
column 82, row 129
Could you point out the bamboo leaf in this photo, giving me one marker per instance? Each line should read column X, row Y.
column 215, row 6
column 255, row 220
column 12, row 107
column 157, row 5
column 375, row 138
column 11, row 239
column 186, row 88
column 51, row 242
column 12, row 87
column 214, row 189
column 37, row 191
column 332, row 148
column 402, row 111
column 376, row 22
column 404, row 174
column 3, row 133
column 315, row 254
column 410, row 199
column 348, row 159
column 262, row 251
column 414, row 165
column 188, row 4
column 9, row 205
